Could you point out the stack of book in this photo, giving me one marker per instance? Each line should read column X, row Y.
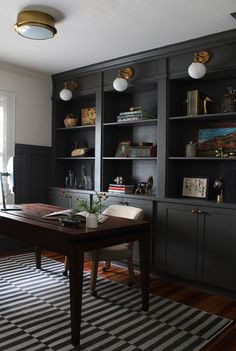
column 137, row 115
column 121, row 189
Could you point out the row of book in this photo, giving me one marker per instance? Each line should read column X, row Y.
column 137, row 115
column 121, row 189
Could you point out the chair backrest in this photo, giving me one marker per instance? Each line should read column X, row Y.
column 125, row 212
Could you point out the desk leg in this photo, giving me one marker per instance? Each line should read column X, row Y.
column 37, row 252
column 76, row 267
column 144, row 252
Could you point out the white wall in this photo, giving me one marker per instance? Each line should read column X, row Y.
column 32, row 104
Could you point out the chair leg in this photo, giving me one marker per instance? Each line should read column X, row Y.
column 94, row 272
column 66, row 265
column 132, row 278
column 108, row 266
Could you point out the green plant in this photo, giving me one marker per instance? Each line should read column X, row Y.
column 94, row 206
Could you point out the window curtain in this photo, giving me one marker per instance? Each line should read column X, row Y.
column 7, row 136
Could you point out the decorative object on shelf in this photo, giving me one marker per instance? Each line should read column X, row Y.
column 195, row 187
column 219, row 136
column 85, row 182
column 35, row 25
column 194, row 101
column 197, row 69
column 123, row 149
column 80, row 152
column 143, row 151
column 67, row 92
column 191, row 149
column 145, row 187
column 71, row 120
column 229, row 101
column 121, row 189
column 135, row 114
column 93, row 208
column 119, row 180
column 205, row 104
column 121, row 81
column 219, row 186
column 71, row 179
column 88, row 116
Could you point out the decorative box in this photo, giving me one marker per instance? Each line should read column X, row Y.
column 88, row 116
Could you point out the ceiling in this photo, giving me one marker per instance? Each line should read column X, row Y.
column 91, row 31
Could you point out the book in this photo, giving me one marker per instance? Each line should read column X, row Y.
column 69, row 213
column 138, row 112
column 119, row 192
column 122, row 185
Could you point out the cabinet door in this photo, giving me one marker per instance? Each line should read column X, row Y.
column 217, row 238
column 175, row 244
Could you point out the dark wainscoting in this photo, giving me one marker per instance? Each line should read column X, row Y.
column 32, row 173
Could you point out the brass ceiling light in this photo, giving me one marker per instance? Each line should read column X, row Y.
column 35, row 25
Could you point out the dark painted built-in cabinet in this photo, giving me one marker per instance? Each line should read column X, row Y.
column 192, row 239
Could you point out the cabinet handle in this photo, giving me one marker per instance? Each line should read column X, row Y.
column 200, row 212
column 194, row 211
column 124, row 203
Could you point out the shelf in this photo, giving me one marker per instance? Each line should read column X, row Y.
column 130, row 158
column 208, row 117
column 75, row 158
column 202, row 158
column 75, row 128
column 132, row 123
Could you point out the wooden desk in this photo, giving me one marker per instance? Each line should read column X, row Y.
column 29, row 226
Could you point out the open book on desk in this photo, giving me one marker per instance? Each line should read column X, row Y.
column 69, row 213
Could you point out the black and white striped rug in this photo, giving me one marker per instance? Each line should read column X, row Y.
column 35, row 314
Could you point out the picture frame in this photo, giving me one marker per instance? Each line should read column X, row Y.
column 212, row 137
column 123, row 149
column 195, row 187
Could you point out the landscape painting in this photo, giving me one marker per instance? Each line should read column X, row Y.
column 209, row 140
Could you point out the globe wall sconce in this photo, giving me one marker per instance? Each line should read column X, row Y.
column 67, row 92
column 197, row 69
column 121, row 81
column 35, row 25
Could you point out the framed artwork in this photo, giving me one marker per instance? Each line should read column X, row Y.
column 212, row 138
column 123, row 149
column 195, row 187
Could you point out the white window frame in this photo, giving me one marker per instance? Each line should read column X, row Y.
column 7, row 100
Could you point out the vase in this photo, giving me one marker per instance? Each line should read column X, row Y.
column 92, row 220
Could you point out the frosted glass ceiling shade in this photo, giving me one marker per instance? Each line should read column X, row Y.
column 35, row 25
column 120, row 84
column 197, row 70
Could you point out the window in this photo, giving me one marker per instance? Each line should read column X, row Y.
column 7, row 124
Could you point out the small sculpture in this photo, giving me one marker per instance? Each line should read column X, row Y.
column 119, row 180
column 219, row 186
column 145, row 187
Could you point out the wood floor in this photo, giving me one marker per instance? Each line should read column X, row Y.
column 187, row 295
column 221, row 306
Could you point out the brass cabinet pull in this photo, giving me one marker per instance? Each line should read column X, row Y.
column 200, row 212
column 194, row 211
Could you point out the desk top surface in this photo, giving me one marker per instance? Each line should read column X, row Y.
column 32, row 214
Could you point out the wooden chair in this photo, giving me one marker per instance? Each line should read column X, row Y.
column 114, row 253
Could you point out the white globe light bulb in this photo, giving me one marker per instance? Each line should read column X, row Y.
column 197, row 70
column 120, row 84
column 65, row 94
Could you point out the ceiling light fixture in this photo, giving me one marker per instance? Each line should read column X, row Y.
column 67, row 92
column 121, row 81
column 35, row 25
column 197, row 69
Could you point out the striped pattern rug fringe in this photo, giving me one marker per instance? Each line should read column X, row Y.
column 35, row 314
